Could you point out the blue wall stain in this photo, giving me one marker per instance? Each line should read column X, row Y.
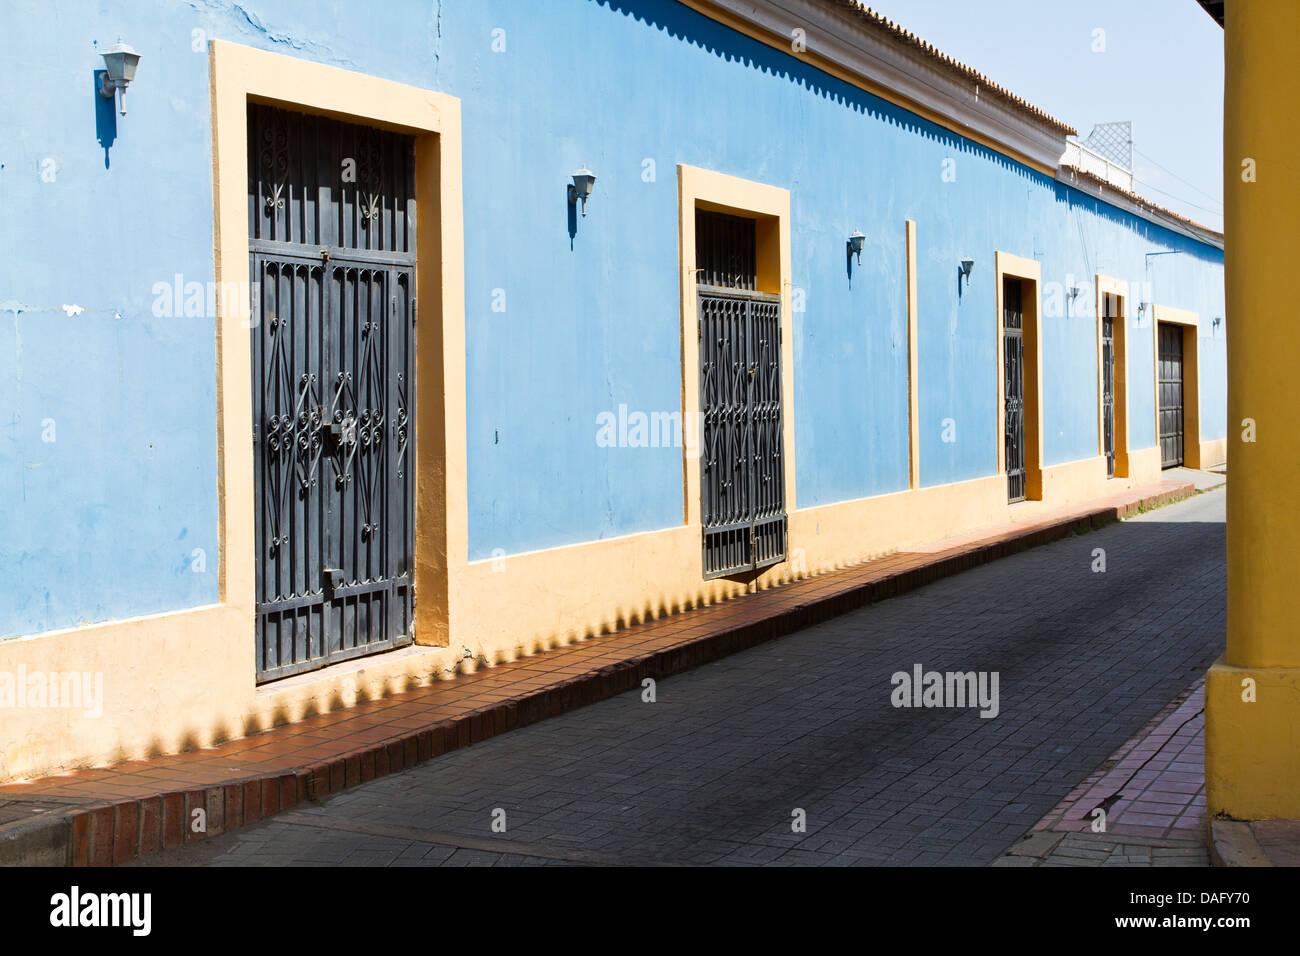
column 89, row 523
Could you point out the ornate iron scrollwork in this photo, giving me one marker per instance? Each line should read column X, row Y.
column 742, row 481
column 400, row 425
column 344, row 423
column 371, row 160
column 370, row 211
column 275, row 164
column 334, row 364
column 291, row 443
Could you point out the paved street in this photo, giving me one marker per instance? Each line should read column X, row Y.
column 719, row 766
column 1145, row 806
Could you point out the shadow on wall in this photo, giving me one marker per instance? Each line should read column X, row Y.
column 105, row 115
column 1158, row 237
column 698, row 30
column 573, row 216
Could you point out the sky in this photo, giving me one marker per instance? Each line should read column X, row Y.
column 1159, row 64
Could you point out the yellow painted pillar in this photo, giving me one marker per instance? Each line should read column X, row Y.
column 1252, row 731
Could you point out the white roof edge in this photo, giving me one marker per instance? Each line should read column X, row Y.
column 1142, row 208
column 842, row 37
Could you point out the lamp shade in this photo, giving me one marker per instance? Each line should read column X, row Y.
column 120, row 60
column 583, row 182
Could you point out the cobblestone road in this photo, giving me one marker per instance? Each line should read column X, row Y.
column 715, row 769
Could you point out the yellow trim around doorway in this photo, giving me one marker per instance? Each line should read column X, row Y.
column 1116, row 289
column 1028, row 271
column 241, row 75
column 1190, row 323
column 769, row 206
column 186, row 678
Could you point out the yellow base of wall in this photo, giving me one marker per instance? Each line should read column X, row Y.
column 1086, row 478
column 1214, row 453
column 1144, row 465
column 184, row 680
column 174, row 682
column 1076, row 480
column 1252, row 750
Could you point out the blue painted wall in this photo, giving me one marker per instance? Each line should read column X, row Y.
column 103, row 522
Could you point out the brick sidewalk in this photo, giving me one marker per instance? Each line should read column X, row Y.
column 1152, row 793
column 109, row 815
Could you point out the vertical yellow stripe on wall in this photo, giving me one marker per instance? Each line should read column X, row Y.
column 913, row 417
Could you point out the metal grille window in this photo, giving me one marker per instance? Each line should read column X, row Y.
column 317, row 181
column 1171, row 394
column 742, row 467
column 726, row 251
column 333, row 258
column 1013, row 352
column 1108, row 385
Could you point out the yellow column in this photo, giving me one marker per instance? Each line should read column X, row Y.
column 1252, row 737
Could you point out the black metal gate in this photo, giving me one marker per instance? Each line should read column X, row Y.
column 331, row 225
column 1013, row 358
column 1108, row 387
column 742, row 472
column 1171, row 395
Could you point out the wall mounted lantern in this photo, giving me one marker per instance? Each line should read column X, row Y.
column 1218, row 321
column 119, row 70
column 964, row 269
column 1074, row 294
column 1142, row 309
column 584, row 180
column 855, row 244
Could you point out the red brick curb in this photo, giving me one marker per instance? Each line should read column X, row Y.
column 114, row 832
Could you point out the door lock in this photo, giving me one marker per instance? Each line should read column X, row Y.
column 344, row 432
column 331, row 580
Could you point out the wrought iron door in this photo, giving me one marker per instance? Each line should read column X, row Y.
column 1171, row 395
column 742, row 469
column 1013, row 360
column 333, row 263
column 1108, row 388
